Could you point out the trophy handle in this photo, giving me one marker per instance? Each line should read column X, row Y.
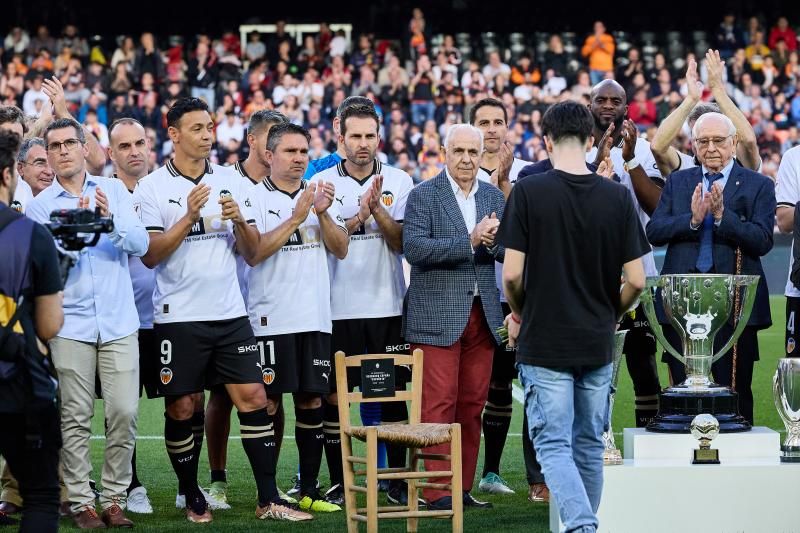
column 746, row 307
column 649, row 309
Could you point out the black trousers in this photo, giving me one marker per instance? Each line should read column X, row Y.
column 35, row 465
column 722, row 370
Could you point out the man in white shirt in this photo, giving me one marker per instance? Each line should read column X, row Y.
column 787, row 194
column 12, row 119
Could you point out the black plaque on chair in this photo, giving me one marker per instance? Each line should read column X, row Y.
column 377, row 378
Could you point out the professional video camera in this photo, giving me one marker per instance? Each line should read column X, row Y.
column 74, row 230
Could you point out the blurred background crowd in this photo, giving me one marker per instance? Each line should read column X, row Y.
column 421, row 82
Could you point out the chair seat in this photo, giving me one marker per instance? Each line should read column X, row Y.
column 413, row 435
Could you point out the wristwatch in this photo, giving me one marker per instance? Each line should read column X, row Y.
column 630, row 165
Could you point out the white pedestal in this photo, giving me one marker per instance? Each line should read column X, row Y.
column 657, row 489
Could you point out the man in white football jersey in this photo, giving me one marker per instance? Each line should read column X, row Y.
column 218, row 411
column 367, row 287
column 787, row 194
column 289, row 296
column 499, row 167
column 636, row 169
column 190, row 208
column 12, row 119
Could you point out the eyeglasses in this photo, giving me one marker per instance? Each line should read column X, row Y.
column 38, row 163
column 70, row 144
column 717, row 141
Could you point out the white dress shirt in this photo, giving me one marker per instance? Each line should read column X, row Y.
column 466, row 204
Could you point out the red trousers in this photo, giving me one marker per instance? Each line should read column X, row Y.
column 455, row 384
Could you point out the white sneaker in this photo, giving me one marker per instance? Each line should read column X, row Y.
column 494, row 484
column 138, row 502
column 213, row 504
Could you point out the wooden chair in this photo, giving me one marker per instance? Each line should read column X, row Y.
column 414, row 435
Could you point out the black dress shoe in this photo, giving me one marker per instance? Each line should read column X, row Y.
column 469, row 501
column 445, row 503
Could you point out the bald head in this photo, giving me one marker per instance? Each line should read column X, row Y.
column 608, row 104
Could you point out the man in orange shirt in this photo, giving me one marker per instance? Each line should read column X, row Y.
column 599, row 50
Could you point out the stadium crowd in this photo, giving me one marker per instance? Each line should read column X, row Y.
column 420, row 84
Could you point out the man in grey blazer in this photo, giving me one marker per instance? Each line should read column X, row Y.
column 452, row 307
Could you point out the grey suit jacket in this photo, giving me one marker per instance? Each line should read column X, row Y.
column 444, row 267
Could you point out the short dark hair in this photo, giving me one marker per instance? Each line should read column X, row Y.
column 567, row 119
column 360, row 111
column 353, row 101
column 278, row 131
column 9, row 145
column 62, row 123
column 701, row 109
column 181, row 107
column 122, row 121
column 263, row 118
column 11, row 113
column 487, row 102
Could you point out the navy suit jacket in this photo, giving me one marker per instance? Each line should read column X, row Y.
column 444, row 268
column 748, row 222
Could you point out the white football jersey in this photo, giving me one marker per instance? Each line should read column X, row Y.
column 369, row 282
column 198, row 281
column 22, row 196
column 143, row 280
column 289, row 292
column 242, row 268
column 516, row 166
column 787, row 194
column 645, row 157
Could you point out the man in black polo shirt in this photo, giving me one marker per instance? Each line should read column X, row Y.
column 561, row 277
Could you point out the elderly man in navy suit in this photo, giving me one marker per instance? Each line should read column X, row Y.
column 452, row 307
column 718, row 218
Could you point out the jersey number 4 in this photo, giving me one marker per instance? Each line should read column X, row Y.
column 790, row 323
column 262, row 352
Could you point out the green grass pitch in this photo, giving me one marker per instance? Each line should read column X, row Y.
column 513, row 512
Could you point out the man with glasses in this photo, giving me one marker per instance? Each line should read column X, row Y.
column 718, row 218
column 99, row 337
column 32, row 165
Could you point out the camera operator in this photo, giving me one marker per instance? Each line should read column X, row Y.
column 99, row 337
column 30, row 307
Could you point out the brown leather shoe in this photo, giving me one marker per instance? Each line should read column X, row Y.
column 538, row 492
column 115, row 517
column 9, row 508
column 88, row 519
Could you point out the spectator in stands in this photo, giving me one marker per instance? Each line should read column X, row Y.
column 583, row 87
column 756, row 51
column 17, row 41
column 230, row 134
column 598, row 49
column 71, row 38
column 729, row 36
column 421, row 91
column 12, row 79
column 43, row 39
column 642, row 111
column 780, row 54
column 781, row 30
column 148, row 59
column 792, row 140
column 94, row 103
column 664, row 86
column 451, row 51
column 556, row 57
column 255, row 49
column 496, row 67
column 96, row 128
column 125, row 53
column 203, row 73
column 625, row 73
column 32, row 95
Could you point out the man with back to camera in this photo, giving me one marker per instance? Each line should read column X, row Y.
column 99, row 339
column 289, row 299
column 718, row 218
column 29, row 282
column 367, row 287
column 190, row 208
column 254, row 170
column 562, row 284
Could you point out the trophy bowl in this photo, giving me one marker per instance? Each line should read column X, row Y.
column 696, row 307
column 786, row 393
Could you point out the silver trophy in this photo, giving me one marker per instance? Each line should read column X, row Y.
column 705, row 428
column 697, row 306
column 786, row 392
column 611, row 454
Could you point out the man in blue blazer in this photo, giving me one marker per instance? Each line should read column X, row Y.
column 707, row 216
column 452, row 307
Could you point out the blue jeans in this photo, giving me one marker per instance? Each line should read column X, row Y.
column 596, row 76
column 422, row 112
column 567, row 413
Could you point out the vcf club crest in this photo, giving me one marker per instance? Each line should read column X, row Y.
column 166, row 375
column 268, row 375
column 16, row 206
column 387, row 198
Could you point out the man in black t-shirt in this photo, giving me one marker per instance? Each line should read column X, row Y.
column 561, row 277
column 30, row 313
